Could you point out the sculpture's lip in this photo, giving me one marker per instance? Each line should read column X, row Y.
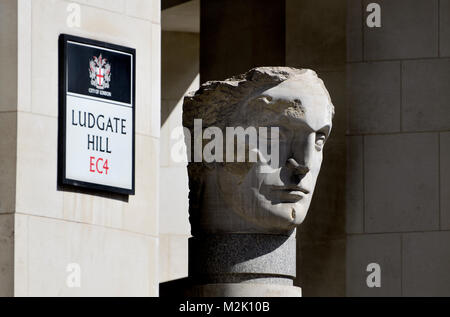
column 292, row 189
column 288, row 194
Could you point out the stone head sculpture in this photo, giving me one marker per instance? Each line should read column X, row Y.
column 233, row 194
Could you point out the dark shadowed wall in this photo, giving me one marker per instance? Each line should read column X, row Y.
column 238, row 35
column 398, row 206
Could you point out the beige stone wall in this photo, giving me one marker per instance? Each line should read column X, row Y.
column 113, row 239
column 180, row 74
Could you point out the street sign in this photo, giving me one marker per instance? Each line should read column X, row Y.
column 96, row 115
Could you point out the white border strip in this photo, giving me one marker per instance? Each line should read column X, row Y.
column 117, row 103
column 99, row 47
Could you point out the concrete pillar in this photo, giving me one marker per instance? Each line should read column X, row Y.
column 180, row 75
column 236, row 36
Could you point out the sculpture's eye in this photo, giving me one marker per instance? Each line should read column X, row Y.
column 320, row 141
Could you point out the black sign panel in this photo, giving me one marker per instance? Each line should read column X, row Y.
column 120, row 87
column 96, row 115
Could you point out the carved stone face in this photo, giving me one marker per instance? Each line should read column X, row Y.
column 278, row 197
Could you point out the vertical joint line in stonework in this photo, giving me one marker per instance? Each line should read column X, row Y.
column 362, row 29
column 401, row 265
column 439, row 27
column 364, row 184
column 439, row 180
column 401, row 96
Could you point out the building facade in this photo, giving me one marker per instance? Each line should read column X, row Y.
column 382, row 196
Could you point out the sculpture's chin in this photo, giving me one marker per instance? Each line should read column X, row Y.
column 273, row 218
column 283, row 216
column 300, row 214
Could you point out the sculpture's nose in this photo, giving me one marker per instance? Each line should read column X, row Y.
column 298, row 168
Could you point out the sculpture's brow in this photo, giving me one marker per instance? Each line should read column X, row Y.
column 326, row 129
column 293, row 121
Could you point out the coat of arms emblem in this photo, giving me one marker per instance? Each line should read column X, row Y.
column 99, row 72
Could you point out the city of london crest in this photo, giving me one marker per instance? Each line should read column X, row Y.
column 99, row 72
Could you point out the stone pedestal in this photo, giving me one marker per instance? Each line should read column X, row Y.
column 243, row 265
column 244, row 290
